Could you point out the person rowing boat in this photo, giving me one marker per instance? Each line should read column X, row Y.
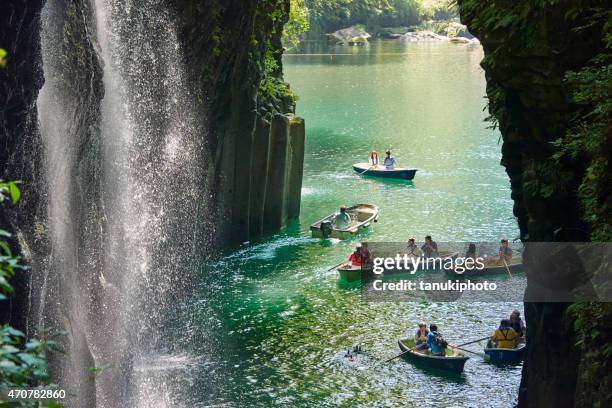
column 342, row 219
column 505, row 337
column 505, row 252
column 356, row 258
column 430, row 247
column 390, row 161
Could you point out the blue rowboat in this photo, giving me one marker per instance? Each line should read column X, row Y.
column 504, row 356
column 367, row 169
column 453, row 361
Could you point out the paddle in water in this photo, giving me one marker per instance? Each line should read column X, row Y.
column 507, row 268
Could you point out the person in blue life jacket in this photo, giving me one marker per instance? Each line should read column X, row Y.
column 420, row 337
column 389, row 162
column 430, row 247
column 435, row 342
column 505, row 252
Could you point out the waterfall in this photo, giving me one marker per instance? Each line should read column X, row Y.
column 125, row 151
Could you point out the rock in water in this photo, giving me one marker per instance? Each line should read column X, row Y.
column 354, row 35
column 424, row 35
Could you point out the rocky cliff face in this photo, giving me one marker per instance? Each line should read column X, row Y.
column 256, row 141
column 20, row 82
column 529, row 50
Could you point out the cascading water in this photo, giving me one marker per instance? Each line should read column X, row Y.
column 124, row 165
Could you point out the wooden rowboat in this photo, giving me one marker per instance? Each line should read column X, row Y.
column 362, row 216
column 453, row 361
column 493, row 266
column 381, row 171
column 350, row 273
column 504, row 356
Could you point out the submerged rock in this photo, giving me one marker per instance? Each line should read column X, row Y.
column 391, row 32
column 423, row 35
column 355, row 35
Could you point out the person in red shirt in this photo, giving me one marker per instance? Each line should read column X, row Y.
column 356, row 258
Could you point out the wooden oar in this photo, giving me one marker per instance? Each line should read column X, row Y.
column 400, row 354
column 507, row 268
column 472, row 342
column 335, row 266
column 466, row 350
column 367, row 169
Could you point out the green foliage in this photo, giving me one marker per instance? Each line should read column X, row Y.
column 22, row 363
column 3, row 55
column 438, row 9
column 267, row 52
column 330, row 15
column 589, row 139
column 593, row 328
column 297, row 25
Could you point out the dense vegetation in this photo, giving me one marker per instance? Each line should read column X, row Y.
column 323, row 16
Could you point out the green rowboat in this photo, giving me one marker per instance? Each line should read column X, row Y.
column 453, row 361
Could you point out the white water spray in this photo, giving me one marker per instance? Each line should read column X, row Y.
column 126, row 189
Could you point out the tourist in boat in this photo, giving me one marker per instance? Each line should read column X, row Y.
column 412, row 248
column 505, row 337
column 505, row 252
column 430, row 247
column 390, row 162
column 342, row 220
column 374, row 158
column 435, row 342
column 420, row 337
column 471, row 252
column 517, row 324
column 366, row 257
column 356, row 258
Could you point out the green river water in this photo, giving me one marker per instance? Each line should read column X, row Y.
column 267, row 325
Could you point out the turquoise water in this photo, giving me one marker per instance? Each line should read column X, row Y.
column 268, row 324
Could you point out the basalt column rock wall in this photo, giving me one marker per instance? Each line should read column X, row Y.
column 20, row 153
column 560, row 194
column 256, row 142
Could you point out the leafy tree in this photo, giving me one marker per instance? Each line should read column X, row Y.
column 330, row 15
column 297, row 25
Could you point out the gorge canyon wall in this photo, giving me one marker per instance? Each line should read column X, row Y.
column 548, row 85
